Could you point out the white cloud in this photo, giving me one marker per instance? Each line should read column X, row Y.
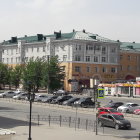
column 35, row 4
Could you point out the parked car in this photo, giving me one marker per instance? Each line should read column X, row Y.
column 71, row 101
column 9, row 94
column 108, row 110
column 20, row 96
column 60, row 92
column 113, row 120
column 61, row 99
column 49, row 99
column 132, row 109
column 84, row 102
column 137, row 111
column 114, row 105
column 125, row 108
column 39, row 98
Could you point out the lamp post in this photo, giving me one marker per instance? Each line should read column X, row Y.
column 31, row 97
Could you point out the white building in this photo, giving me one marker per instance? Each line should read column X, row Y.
column 85, row 55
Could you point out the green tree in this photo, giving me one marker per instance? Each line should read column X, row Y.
column 53, row 77
column 32, row 74
column 16, row 75
column 3, row 75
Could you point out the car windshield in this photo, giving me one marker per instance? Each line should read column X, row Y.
column 112, row 110
column 118, row 117
column 127, row 104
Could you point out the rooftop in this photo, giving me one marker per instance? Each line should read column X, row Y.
column 80, row 35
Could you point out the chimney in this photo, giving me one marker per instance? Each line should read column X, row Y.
column 40, row 37
column 13, row 39
column 57, row 34
column 84, row 30
column 73, row 30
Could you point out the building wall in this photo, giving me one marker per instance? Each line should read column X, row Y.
column 129, row 64
column 83, row 59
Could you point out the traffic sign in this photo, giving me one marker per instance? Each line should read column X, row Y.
column 101, row 93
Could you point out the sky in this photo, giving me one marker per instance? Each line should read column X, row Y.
column 113, row 19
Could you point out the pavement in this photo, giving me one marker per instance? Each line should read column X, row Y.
column 53, row 132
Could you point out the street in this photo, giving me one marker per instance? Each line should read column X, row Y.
column 19, row 110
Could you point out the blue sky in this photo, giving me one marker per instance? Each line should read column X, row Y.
column 114, row 19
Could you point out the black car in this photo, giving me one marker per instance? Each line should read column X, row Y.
column 84, row 102
column 114, row 105
column 113, row 120
column 61, row 99
column 49, row 99
column 71, row 101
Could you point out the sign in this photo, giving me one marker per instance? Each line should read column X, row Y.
column 101, row 93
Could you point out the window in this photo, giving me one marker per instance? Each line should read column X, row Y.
column 104, row 69
column 128, row 68
column 7, row 60
column 77, row 58
column 88, row 69
column 103, row 59
column 121, row 57
column 79, row 47
column 103, row 50
column 18, row 59
column 113, row 50
column 89, row 47
column 96, row 69
column 37, row 49
column 113, row 70
column 97, row 48
column 64, row 57
column 129, row 57
column 87, row 58
column 95, row 59
column 121, row 67
column 32, row 49
column 43, row 48
column 77, row 69
column 11, row 60
column 3, row 60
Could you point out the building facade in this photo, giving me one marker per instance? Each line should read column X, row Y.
column 84, row 55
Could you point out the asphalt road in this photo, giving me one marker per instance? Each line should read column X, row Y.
column 20, row 111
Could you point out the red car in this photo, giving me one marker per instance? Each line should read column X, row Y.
column 108, row 110
column 137, row 111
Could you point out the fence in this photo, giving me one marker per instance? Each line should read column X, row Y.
column 74, row 122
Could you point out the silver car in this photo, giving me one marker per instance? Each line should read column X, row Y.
column 20, row 96
column 9, row 94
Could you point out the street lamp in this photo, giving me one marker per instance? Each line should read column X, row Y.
column 31, row 97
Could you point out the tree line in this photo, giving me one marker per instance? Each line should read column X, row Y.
column 39, row 73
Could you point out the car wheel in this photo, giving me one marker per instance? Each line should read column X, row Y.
column 117, row 127
column 100, row 124
column 127, row 111
column 4, row 96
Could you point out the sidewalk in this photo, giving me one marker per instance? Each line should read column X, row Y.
column 44, row 132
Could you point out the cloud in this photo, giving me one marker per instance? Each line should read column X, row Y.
column 62, row 6
column 34, row 4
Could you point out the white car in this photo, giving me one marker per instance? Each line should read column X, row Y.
column 60, row 92
column 7, row 94
column 125, row 108
column 39, row 98
column 20, row 96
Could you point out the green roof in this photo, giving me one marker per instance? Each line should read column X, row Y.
column 80, row 35
column 130, row 46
